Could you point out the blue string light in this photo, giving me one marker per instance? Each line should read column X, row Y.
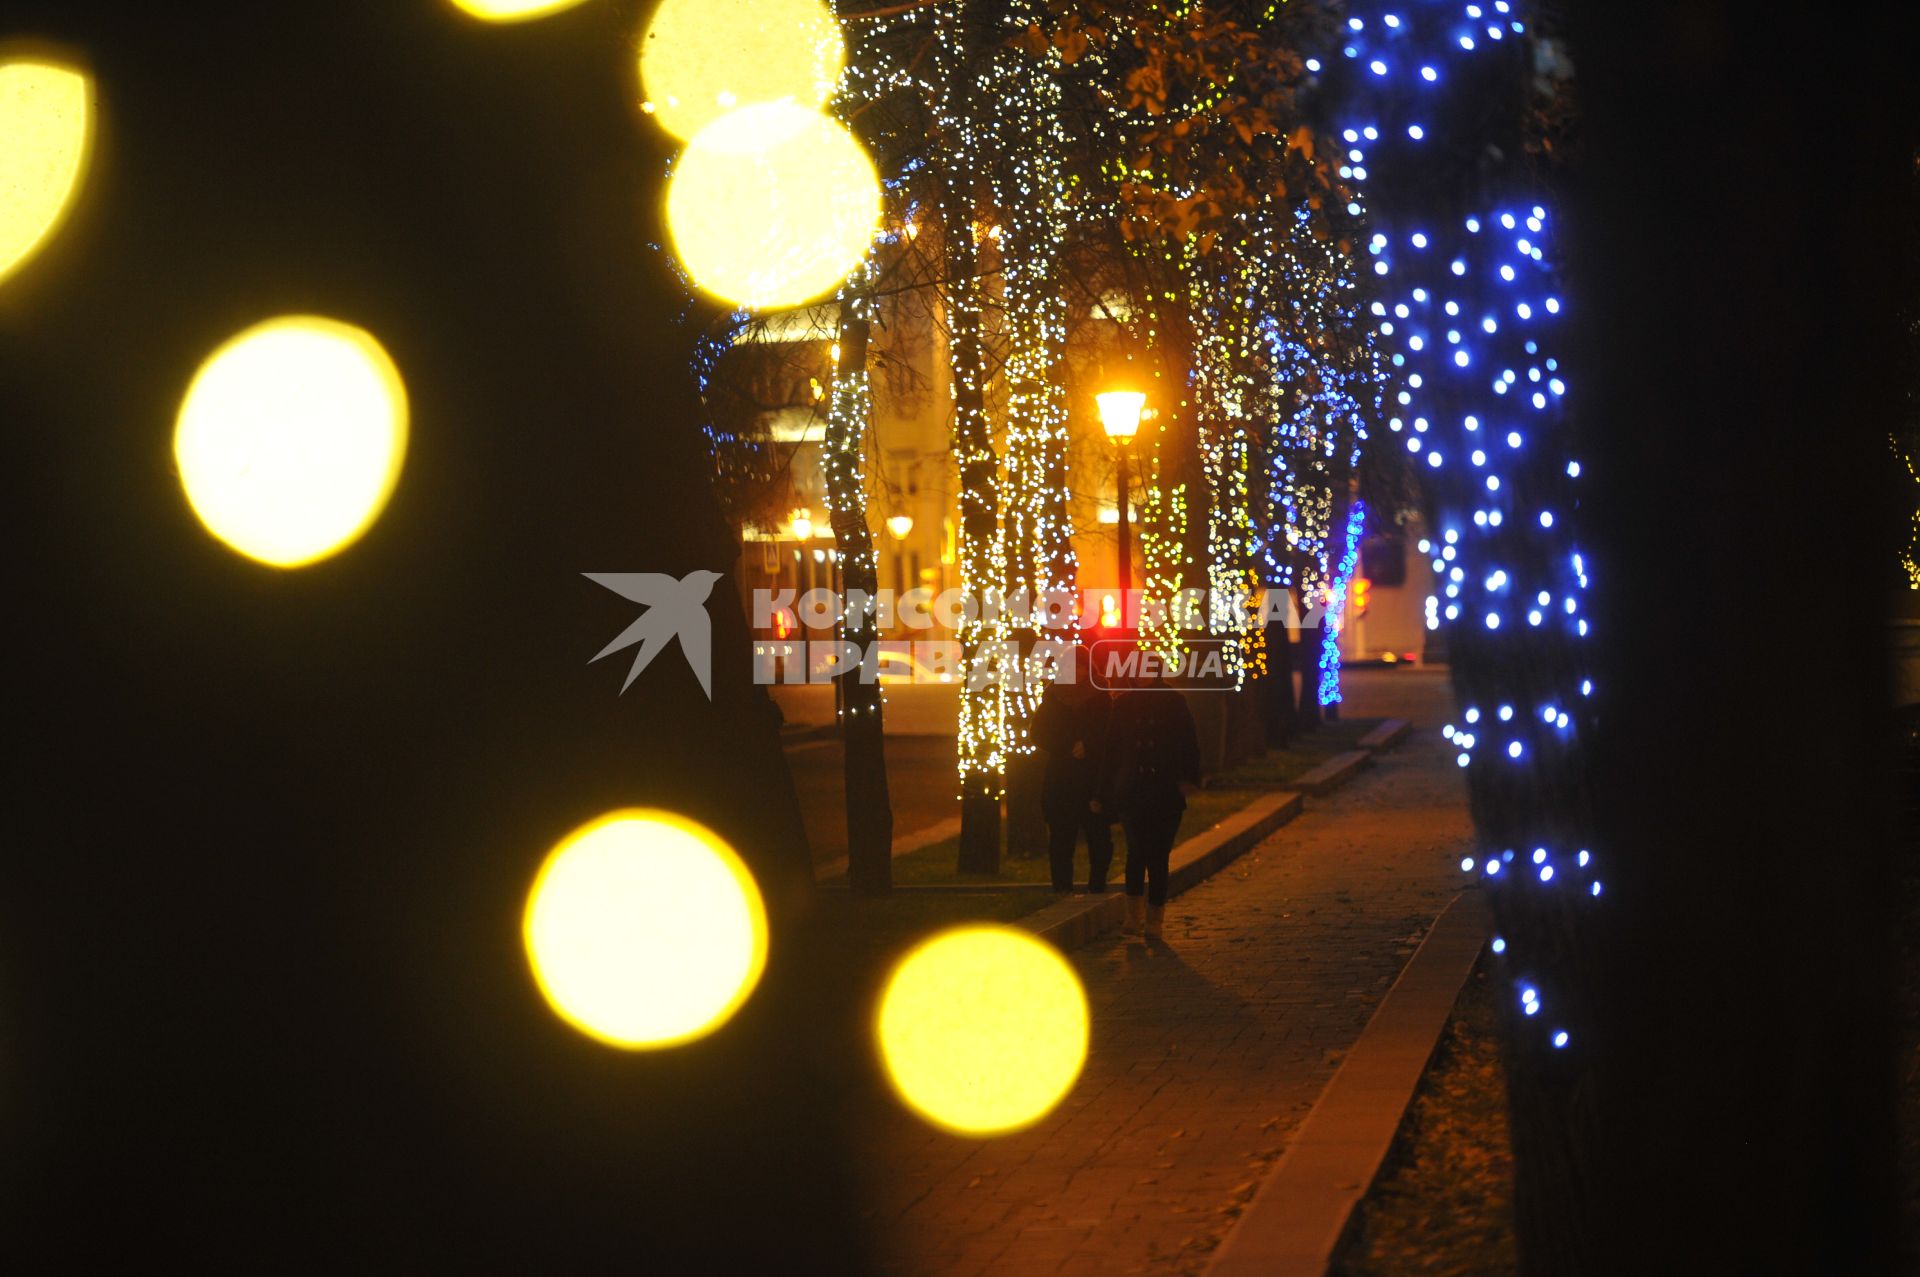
column 1333, row 623
column 1464, row 306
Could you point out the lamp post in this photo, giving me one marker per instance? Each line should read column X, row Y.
column 899, row 527
column 800, row 524
column 1120, row 416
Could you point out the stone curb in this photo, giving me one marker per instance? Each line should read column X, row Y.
column 1078, row 919
column 1333, row 773
column 1301, row 1214
column 954, row 888
column 1198, row 858
column 905, row 845
column 1387, row 735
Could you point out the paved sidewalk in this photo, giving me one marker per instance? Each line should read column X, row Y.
column 1206, row 1058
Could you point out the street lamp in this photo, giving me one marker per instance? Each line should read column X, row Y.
column 898, row 527
column 1120, row 416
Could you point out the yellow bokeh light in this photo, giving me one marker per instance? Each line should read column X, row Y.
column 983, row 1029
column 513, row 10
column 772, row 205
column 46, row 132
column 645, row 930
column 702, row 58
column 291, row 438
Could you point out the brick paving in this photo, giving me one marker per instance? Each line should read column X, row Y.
column 1205, row 1058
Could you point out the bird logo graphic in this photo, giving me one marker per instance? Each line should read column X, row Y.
column 676, row 608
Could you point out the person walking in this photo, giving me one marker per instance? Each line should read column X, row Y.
column 1071, row 728
column 1156, row 765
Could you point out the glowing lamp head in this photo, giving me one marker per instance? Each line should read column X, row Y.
column 899, row 526
column 1120, row 413
column 800, row 523
column 983, row 1030
column 645, row 930
column 46, row 121
column 291, row 438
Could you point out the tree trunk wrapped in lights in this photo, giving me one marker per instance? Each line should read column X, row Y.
column 849, row 416
column 1345, row 561
column 1322, row 386
column 1029, row 192
column 1165, row 524
column 1221, row 290
column 1028, row 189
column 964, row 78
column 1466, row 302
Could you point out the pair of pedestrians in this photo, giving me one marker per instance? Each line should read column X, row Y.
column 1132, row 757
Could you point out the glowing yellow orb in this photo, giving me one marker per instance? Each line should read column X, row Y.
column 46, row 132
column 513, row 10
column 772, row 205
column 983, row 1029
column 702, row 58
column 645, row 930
column 291, row 437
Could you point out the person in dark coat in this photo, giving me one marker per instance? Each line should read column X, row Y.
column 1071, row 729
column 1155, row 765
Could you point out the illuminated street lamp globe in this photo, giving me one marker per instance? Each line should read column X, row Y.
column 1120, row 413
column 899, row 526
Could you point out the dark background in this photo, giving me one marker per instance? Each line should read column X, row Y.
column 269, row 833
column 1742, row 258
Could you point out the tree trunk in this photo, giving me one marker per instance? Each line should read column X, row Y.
column 1336, row 559
column 1306, row 659
column 869, row 810
column 982, row 733
column 1277, row 695
column 982, row 717
column 982, row 781
column 1741, row 383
